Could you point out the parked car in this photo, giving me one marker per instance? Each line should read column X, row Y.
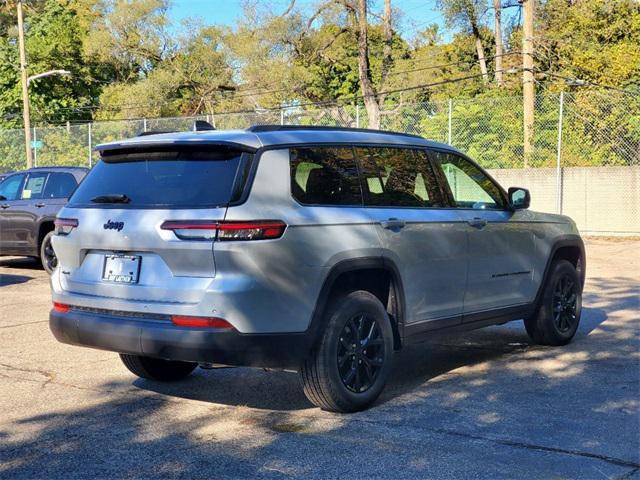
column 4, row 175
column 29, row 202
column 322, row 250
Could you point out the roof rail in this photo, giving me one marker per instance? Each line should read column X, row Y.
column 276, row 128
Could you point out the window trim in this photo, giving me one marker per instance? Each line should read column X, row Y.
column 450, row 199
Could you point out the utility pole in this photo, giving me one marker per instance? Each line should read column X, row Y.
column 528, row 86
column 25, row 88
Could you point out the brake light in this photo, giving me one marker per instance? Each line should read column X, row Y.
column 226, row 230
column 207, row 322
column 64, row 226
column 61, row 307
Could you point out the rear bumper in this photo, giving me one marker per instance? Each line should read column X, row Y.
column 161, row 339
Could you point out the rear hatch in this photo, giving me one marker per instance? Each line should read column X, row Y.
column 121, row 247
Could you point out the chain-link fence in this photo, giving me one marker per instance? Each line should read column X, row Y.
column 585, row 160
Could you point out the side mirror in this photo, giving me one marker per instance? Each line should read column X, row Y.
column 519, row 198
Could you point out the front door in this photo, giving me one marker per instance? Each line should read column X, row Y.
column 425, row 242
column 501, row 249
column 10, row 192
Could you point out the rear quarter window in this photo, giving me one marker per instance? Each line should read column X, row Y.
column 166, row 179
column 325, row 176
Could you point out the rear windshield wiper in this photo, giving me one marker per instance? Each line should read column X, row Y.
column 111, row 198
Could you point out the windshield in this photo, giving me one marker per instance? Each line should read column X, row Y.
column 183, row 179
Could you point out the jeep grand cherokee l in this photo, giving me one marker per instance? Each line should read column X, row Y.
column 323, row 250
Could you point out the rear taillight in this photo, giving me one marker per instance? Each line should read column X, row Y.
column 61, row 307
column 202, row 322
column 64, row 226
column 226, row 230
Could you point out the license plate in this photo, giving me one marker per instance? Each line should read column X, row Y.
column 121, row 268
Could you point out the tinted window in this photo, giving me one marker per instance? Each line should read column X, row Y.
column 34, row 186
column 164, row 179
column 10, row 187
column 397, row 177
column 59, row 185
column 325, row 176
column 470, row 187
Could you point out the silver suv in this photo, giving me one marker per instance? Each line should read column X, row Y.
column 323, row 250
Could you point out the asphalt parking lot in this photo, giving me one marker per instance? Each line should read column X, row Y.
column 481, row 405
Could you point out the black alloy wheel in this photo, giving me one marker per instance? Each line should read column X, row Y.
column 360, row 353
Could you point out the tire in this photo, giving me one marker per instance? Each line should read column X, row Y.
column 558, row 314
column 48, row 257
column 156, row 368
column 341, row 376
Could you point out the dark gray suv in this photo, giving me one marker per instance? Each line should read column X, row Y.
column 322, row 250
column 29, row 202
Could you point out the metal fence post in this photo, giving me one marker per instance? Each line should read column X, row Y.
column 34, row 148
column 90, row 141
column 282, row 116
column 450, row 114
column 144, row 124
column 558, row 158
column 357, row 115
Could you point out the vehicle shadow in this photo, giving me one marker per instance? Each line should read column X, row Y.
column 414, row 366
column 23, row 263
column 7, row 279
column 470, row 391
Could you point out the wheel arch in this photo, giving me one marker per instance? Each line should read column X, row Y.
column 45, row 225
column 565, row 247
column 377, row 275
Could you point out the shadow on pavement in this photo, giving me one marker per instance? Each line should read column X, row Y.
column 485, row 390
column 6, row 279
column 23, row 263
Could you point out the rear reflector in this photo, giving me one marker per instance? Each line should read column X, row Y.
column 206, row 322
column 61, row 307
column 226, row 230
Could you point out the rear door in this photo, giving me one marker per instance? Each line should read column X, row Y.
column 501, row 245
column 25, row 212
column 425, row 241
column 121, row 207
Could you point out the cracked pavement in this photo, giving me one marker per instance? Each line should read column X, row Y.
column 484, row 404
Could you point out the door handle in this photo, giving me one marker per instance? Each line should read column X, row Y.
column 477, row 223
column 40, row 205
column 392, row 224
column 4, row 205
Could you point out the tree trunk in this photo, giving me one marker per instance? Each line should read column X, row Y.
column 473, row 20
column 498, row 34
column 480, row 51
column 364, row 71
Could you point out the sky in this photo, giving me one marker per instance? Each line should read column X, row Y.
column 417, row 13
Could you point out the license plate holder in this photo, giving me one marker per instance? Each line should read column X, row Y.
column 120, row 268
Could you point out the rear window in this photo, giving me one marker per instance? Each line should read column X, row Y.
column 166, row 179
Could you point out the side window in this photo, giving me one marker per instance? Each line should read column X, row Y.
column 470, row 187
column 34, row 186
column 324, row 176
column 397, row 177
column 10, row 187
column 59, row 185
